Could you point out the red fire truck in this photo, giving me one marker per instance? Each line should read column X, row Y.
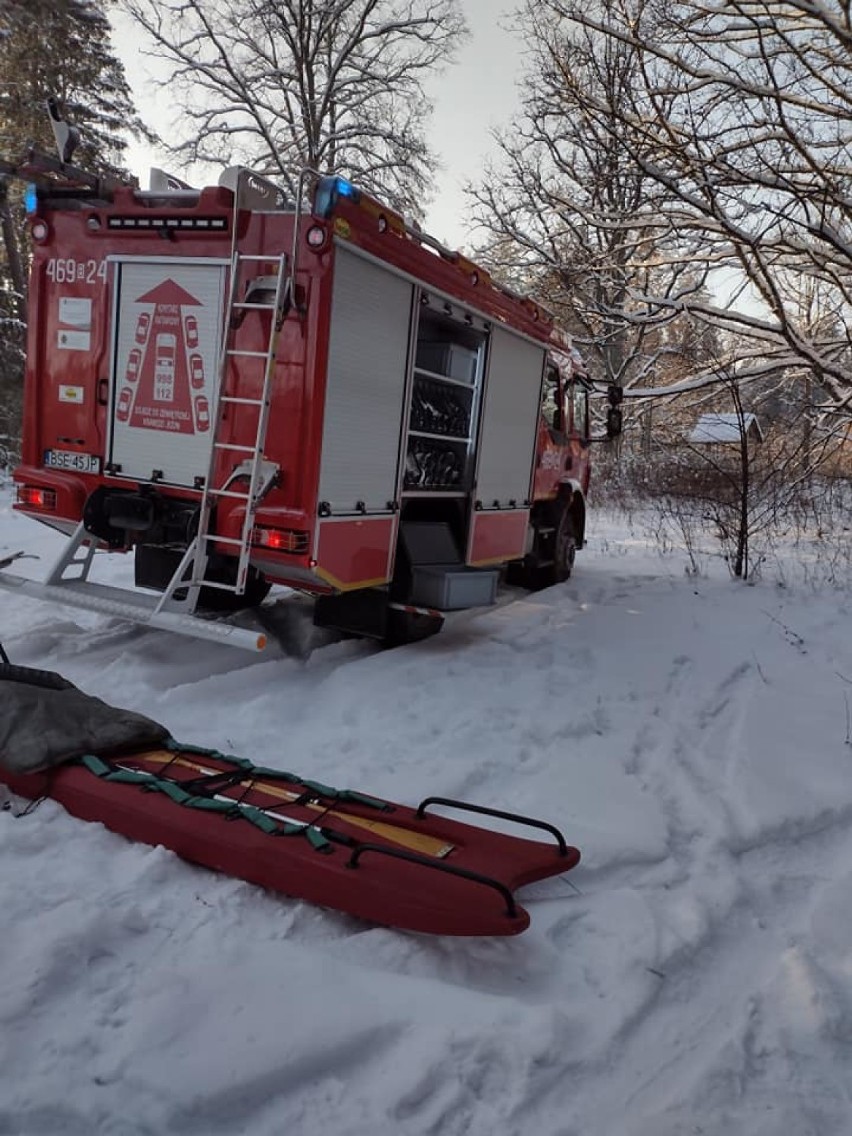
column 243, row 391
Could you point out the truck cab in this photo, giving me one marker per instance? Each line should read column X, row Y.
column 557, row 522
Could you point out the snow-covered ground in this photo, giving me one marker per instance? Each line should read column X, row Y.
column 692, row 735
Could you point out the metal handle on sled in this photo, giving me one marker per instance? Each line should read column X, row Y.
column 483, row 811
column 451, row 870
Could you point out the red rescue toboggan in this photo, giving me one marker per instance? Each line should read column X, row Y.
column 402, row 867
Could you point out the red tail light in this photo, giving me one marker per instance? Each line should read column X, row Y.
column 34, row 498
column 281, row 540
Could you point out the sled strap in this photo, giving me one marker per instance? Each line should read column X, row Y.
column 231, row 810
column 314, row 788
column 349, row 796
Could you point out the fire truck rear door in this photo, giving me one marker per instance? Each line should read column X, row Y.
column 167, row 322
column 365, row 398
column 507, row 447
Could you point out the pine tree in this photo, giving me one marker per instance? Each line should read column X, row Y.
column 60, row 48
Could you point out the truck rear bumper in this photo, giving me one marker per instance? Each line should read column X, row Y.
column 136, row 607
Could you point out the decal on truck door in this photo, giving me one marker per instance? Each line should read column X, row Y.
column 159, row 367
column 165, row 367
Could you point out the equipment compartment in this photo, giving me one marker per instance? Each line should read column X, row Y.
column 448, row 369
column 439, row 409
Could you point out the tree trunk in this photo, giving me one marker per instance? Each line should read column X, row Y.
column 13, row 255
column 741, row 555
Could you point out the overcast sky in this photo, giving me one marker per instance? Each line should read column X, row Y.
column 477, row 93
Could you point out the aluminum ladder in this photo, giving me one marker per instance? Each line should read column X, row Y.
column 191, row 575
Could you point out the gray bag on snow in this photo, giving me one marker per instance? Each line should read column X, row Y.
column 46, row 720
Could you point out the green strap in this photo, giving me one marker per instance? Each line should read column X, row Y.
column 174, row 792
column 259, row 771
column 319, row 789
column 340, row 794
column 362, row 799
column 95, row 765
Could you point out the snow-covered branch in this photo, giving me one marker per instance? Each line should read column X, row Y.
column 283, row 84
column 664, row 144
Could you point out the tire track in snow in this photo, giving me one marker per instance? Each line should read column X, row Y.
column 730, row 933
column 668, row 765
column 710, row 989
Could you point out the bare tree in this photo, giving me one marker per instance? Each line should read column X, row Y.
column 330, row 84
column 567, row 214
column 739, row 116
column 732, row 460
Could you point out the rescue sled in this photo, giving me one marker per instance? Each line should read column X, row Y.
column 402, row 867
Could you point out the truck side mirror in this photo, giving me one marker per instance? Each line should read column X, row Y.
column 614, row 417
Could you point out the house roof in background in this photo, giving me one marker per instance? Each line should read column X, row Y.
column 723, row 429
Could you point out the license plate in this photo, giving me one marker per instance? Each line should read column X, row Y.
column 71, row 459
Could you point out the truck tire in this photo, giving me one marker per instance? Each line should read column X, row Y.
column 554, row 547
column 564, row 547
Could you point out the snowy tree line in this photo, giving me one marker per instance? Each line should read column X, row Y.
column 61, row 48
column 677, row 184
column 681, row 185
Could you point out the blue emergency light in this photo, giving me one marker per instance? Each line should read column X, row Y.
column 347, row 189
column 31, row 198
column 329, row 191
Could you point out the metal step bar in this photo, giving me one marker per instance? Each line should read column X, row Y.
column 68, row 583
column 136, row 608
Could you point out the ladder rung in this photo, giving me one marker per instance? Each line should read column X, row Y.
column 250, row 498
column 217, row 585
column 222, row 539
